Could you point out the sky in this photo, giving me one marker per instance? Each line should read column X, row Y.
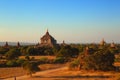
column 74, row 21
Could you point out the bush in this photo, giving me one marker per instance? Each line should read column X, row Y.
column 100, row 60
column 43, row 60
column 12, row 54
column 74, row 64
column 27, row 57
column 59, row 60
column 3, row 64
column 11, row 63
column 30, row 67
column 20, row 61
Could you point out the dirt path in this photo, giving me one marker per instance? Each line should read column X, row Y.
column 62, row 73
column 41, row 73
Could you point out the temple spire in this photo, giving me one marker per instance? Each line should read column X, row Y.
column 112, row 44
column 47, row 33
column 6, row 44
column 18, row 44
column 47, row 29
column 102, row 43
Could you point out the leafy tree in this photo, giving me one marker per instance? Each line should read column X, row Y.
column 64, row 52
column 74, row 64
column 13, row 54
column 3, row 50
column 48, row 52
column 74, row 52
column 23, row 50
column 30, row 50
column 114, row 50
column 68, row 51
column 30, row 67
column 100, row 60
column 55, row 50
column 20, row 61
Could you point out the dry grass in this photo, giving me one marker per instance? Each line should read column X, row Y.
column 50, row 66
column 18, row 71
column 10, row 72
column 38, row 57
column 63, row 74
column 117, row 64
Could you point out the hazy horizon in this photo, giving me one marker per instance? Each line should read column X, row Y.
column 75, row 21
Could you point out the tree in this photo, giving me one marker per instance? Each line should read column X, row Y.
column 30, row 67
column 68, row 51
column 23, row 50
column 13, row 54
column 3, row 50
column 11, row 63
column 64, row 52
column 48, row 52
column 74, row 52
column 31, row 50
column 100, row 60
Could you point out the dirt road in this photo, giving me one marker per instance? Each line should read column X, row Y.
column 41, row 73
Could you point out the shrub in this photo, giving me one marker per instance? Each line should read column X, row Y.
column 30, row 67
column 100, row 60
column 20, row 61
column 74, row 64
column 27, row 57
column 43, row 60
column 11, row 63
column 13, row 54
column 59, row 60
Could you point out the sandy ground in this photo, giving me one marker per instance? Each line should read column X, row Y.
column 64, row 74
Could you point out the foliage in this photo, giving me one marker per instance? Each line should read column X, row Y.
column 59, row 60
column 100, row 60
column 31, row 50
column 48, row 52
column 11, row 63
column 23, row 50
column 67, row 52
column 43, row 60
column 3, row 50
column 74, row 64
column 114, row 50
column 12, row 54
column 27, row 57
column 117, row 58
column 30, row 67
column 20, row 61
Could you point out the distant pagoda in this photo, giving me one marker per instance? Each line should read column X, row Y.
column 6, row 45
column 47, row 40
column 102, row 43
column 18, row 44
column 112, row 45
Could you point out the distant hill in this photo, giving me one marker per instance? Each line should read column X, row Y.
column 15, row 43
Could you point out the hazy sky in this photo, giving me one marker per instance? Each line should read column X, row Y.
column 75, row 21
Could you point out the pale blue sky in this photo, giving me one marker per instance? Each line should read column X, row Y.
column 75, row 21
